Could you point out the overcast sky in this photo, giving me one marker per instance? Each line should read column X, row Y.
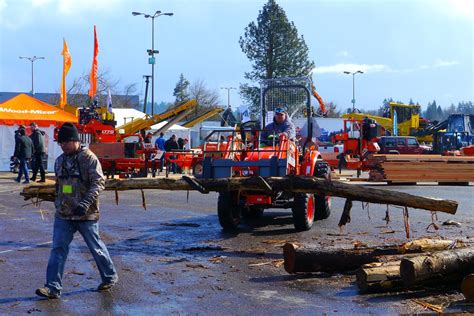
column 420, row 49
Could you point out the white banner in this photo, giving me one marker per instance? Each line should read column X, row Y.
column 244, row 114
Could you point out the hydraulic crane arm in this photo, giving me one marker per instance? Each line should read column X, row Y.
column 322, row 106
column 202, row 117
column 148, row 121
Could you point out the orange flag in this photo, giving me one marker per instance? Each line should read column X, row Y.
column 66, row 66
column 94, row 70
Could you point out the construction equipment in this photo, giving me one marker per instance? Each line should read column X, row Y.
column 245, row 154
column 360, row 140
column 408, row 121
column 147, row 121
column 108, row 141
column 453, row 134
column 202, row 117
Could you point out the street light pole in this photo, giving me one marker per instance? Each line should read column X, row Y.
column 353, row 86
column 32, row 59
column 228, row 94
column 152, row 52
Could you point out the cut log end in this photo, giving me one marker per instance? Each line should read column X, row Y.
column 289, row 254
column 467, row 287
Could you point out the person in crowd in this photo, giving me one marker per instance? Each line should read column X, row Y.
column 281, row 124
column 180, row 143
column 160, row 145
column 172, row 145
column 23, row 153
column 79, row 180
column 148, row 138
column 17, row 138
column 185, row 144
column 37, row 137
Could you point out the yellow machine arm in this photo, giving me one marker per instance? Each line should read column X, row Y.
column 148, row 121
column 204, row 116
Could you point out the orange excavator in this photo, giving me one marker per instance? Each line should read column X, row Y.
column 322, row 106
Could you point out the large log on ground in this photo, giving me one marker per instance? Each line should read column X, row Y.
column 379, row 277
column 303, row 259
column 449, row 264
column 467, row 287
column 277, row 184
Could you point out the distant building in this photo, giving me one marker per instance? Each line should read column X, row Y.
column 80, row 100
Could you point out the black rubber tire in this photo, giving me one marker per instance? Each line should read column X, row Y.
column 228, row 210
column 322, row 207
column 301, row 220
column 322, row 204
column 252, row 212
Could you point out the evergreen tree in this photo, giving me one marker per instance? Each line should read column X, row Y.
column 181, row 90
column 275, row 49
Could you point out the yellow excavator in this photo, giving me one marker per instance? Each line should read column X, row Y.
column 407, row 116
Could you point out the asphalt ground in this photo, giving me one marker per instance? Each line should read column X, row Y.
column 173, row 257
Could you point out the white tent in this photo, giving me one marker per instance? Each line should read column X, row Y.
column 7, row 145
column 123, row 116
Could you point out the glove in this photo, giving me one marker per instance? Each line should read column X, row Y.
column 80, row 210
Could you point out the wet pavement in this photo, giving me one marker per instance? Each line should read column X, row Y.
column 173, row 258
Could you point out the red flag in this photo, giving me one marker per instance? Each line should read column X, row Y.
column 94, row 70
column 66, row 66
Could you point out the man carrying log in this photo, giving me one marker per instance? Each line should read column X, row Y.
column 79, row 179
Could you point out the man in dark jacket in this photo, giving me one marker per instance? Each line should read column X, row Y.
column 17, row 138
column 23, row 152
column 170, row 145
column 37, row 137
column 79, row 180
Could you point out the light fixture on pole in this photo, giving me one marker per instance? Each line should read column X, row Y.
column 353, row 86
column 152, row 51
column 32, row 59
column 228, row 94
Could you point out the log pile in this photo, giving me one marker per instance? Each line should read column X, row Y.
column 423, row 262
column 256, row 184
column 421, row 168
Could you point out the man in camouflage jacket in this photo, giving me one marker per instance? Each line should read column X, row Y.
column 79, row 179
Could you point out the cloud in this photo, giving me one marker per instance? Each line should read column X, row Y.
column 444, row 63
column 21, row 14
column 340, row 68
column 343, row 53
column 374, row 68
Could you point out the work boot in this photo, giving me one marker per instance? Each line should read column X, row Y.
column 105, row 286
column 33, row 179
column 26, row 181
column 46, row 292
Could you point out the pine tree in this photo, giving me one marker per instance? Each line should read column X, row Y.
column 275, row 49
column 181, row 90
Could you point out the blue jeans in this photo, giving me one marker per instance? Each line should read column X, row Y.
column 62, row 236
column 23, row 169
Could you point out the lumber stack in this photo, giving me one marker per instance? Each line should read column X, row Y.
column 422, row 168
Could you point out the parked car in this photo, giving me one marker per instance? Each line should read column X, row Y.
column 401, row 145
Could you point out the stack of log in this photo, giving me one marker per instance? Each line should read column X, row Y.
column 421, row 168
column 422, row 262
